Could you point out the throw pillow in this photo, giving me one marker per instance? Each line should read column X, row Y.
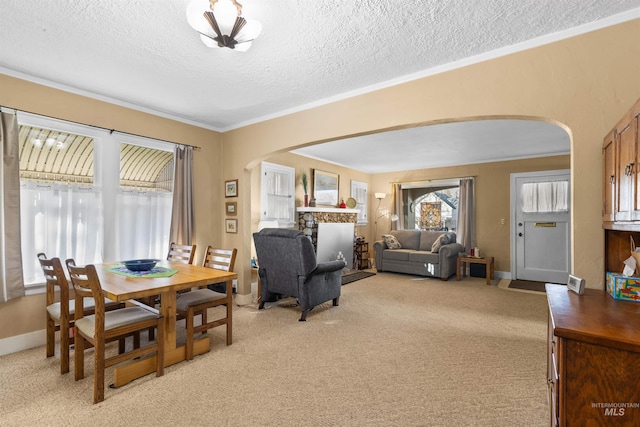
column 443, row 239
column 391, row 241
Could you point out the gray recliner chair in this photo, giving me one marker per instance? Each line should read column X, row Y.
column 287, row 266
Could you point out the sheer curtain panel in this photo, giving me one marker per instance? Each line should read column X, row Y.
column 143, row 221
column 182, row 215
column 11, row 281
column 467, row 214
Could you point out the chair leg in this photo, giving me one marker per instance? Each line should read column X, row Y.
column 64, row 349
column 160, row 349
column 51, row 337
column 79, row 356
column 336, row 301
column 303, row 318
column 189, row 322
column 98, row 371
column 261, row 306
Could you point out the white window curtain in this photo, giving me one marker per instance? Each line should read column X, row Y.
column 544, row 197
column 143, row 221
column 277, row 194
column 60, row 220
column 11, row 282
column 466, row 233
column 359, row 193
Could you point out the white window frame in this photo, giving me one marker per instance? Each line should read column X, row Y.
column 283, row 207
column 359, row 191
column 106, row 181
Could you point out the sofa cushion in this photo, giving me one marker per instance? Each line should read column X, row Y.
column 409, row 239
column 424, row 257
column 443, row 239
column 397, row 254
column 391, row 241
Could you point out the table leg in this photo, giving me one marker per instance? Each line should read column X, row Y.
column 229, row 311
column 458, row 265
column 172, row 354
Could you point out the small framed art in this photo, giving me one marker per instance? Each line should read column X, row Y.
column 325, row 187
column 231, row 225
column 231, row 208
column 231, row 188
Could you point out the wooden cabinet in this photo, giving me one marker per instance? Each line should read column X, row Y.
column 593, row 359
column 621, row 167
column 621, row 189
column 609, row 185
column 361, row 255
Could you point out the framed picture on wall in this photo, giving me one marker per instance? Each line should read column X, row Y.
column 231, row 188
column 325, row 187
column 231, row 225
column 231, row 208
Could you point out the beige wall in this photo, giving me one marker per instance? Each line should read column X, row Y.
column 26, row 314
column 584, row 84
column 492, row 181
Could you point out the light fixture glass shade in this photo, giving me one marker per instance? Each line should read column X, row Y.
column 225, row 14
column 381, row 195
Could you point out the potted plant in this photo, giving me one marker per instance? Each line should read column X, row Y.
column 303, row 178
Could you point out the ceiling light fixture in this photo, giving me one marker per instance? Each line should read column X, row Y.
column 225, row 28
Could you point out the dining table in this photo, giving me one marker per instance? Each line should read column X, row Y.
column 119, row 287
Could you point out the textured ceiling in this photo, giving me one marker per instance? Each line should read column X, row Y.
column 142, row 53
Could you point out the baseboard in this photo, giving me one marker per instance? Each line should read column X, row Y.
column 22, row 342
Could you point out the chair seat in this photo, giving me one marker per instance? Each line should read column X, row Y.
column 197, row 297
column 115, row 319
column 54, row 309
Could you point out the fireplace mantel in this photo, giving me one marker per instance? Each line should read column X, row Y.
column 328, row 210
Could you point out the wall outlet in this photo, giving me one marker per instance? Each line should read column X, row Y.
column 502, row 221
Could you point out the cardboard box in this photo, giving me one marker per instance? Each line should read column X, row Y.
column 623, row 288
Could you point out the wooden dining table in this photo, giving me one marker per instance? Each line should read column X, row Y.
column 122, row 288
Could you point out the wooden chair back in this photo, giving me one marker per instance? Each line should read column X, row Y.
column 125, row 322
column 86, row 285
column 220, row 259
column 181, row 253
column 57, row 281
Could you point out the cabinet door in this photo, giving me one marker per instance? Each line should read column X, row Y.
column 635, row 173
column 609, row 179
column 625, row 170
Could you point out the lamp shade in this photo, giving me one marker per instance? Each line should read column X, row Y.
column 381, row 196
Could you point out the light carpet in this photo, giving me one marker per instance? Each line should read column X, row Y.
column 395, row 352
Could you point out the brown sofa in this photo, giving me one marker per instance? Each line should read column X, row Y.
column 415, row 255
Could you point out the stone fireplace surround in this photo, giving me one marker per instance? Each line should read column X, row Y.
column 308, row 219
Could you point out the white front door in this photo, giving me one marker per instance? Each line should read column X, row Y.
column 541, row 227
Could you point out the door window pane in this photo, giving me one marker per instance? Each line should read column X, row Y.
column 545, row 197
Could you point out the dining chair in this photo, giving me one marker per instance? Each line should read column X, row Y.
column 104, row 326
column 181, row 253
column 61, row 313
column 178, row 253
column 194, row 303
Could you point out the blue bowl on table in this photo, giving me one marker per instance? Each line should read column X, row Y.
column 140, row 264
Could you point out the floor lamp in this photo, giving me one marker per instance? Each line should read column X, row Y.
column 379, row 196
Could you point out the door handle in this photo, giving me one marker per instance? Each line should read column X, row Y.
column 519, row 224
column 520, row 234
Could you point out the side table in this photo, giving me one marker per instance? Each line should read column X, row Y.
column 461, row 266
